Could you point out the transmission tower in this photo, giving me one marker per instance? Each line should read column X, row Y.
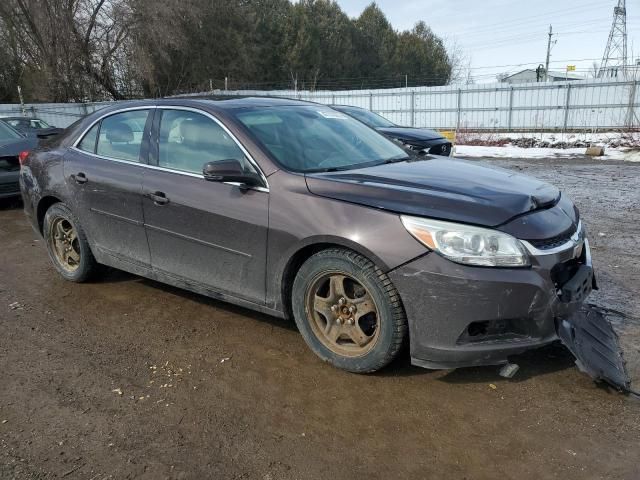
column 614, row 59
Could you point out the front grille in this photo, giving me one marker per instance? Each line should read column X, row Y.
column 553, row 242
column 573, row 278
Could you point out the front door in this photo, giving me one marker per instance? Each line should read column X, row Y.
column 104, row 175
column 213, row 235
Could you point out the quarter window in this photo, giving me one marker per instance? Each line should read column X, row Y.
column 189, row 140
column 121, row 135
column 88, row 143
column 39, row 124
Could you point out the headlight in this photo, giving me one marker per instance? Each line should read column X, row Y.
column 466, row 244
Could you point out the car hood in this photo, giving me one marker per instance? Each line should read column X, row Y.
column 441, row 188
column 9, row 148
column 411, row 134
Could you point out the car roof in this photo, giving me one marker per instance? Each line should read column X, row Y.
column 227, row 102
column 348, row 106
column 220, row 102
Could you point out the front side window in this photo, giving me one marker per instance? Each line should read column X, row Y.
column 121, row 135
column 188, row 140
column 317, row 138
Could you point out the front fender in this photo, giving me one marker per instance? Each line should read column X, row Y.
column 299, row 219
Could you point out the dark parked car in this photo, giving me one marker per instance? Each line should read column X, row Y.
column 33, row 127
column 300, row 211
column 12, row 144
column 419, row 140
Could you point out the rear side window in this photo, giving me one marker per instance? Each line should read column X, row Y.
column 188, row 140
column 121, row 134
column 88, row 143
column 8, row 133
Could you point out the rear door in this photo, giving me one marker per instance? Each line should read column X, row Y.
column 209, row 234
column 104, row 173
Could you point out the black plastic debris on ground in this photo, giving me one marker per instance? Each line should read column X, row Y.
column 588, row 334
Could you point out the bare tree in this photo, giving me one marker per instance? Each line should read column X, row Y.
column 460, row 62
column 74, row 46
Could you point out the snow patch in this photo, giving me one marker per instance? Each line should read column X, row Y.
column 511, row 151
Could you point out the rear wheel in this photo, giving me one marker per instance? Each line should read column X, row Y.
column 67, row 244
column 348, row 311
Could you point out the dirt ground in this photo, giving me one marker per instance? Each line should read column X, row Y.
column 127, row 378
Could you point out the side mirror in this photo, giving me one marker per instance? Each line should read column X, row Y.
column 229, row 171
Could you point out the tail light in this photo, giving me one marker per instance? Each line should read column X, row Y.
column 22, row 157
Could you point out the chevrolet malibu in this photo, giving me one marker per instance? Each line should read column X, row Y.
column 300, row 211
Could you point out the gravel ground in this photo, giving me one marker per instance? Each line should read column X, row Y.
column 127, row 378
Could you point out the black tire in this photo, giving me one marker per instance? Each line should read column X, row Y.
column 391, row 320
column 86, row 266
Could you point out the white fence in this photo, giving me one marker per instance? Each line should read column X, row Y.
column 58, row 114
column 579, row 105
column 573, row 105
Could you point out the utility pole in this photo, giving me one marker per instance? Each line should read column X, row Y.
column 615, row 53
column 546, row 64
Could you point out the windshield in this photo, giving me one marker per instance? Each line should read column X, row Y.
column 317, row 138
column 8, row 133
column 368, row 118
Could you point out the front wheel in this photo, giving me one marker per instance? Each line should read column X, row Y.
column 67, row 244
column 348, row 311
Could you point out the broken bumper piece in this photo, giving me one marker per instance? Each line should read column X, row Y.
column 589, row 336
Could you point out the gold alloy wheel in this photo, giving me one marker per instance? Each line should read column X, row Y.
column 342, row 314
column 65, row 245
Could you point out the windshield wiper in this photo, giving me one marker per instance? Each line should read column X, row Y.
column 357, row 166
column 332, row 169
column 395, row 160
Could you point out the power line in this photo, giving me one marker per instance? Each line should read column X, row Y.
column 542, row 23
column 527, row 20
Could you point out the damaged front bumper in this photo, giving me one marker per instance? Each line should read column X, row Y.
column 463, row 316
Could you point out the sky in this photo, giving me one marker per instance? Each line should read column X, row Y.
column 498, row 35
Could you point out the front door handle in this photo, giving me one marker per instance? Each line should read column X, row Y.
column 159, row 198
column 80, row 178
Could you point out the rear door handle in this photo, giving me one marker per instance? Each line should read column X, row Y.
column 80, row 178
column 159, row 198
